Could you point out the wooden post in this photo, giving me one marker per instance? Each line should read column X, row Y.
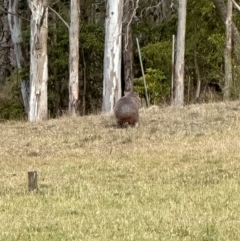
column 32, row 180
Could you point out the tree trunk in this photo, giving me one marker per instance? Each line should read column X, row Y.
column 198, row 76
column 112, row 55
column 84, row 84
column 173, row 69
column 39, row 61
column 5, row 47
column 228, row 53
column 15, row 26
column 222, row 10
column 55, row 69
column 74, row 58
column 179, row 66
column 127, row 46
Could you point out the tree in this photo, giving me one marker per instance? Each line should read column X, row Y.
column 5, row 46
column 39, row 61
column 15, row 26
column 127, row 46
column 112, row 55
column 74, row 57
column 222, row 10
column 179, row 66
column 198, row 76
column 228, row 53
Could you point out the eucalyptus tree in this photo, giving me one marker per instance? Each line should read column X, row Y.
column 15, row 26
column 229, row 82
column 74, row 57
column 38, row 108
column 127, row 45
column 228, row 52
column 112, row 55
column 222, row 10
column 5, row 45
column 178, row 99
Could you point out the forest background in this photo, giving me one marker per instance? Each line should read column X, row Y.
column 154, row 25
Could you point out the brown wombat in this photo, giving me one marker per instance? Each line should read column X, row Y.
column 127, row 110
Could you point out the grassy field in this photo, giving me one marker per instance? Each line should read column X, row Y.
column 177, row 177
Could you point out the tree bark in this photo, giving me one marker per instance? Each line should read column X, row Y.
column 127, row 46
column 179, row 66
column 198, row 76
column 84, row 84
column 39, row 61
column 15, row 26
column 5, row 47
column 222, row 10
column 112, row 55
column 228, row 53
column 173, row 70
column 74, row 58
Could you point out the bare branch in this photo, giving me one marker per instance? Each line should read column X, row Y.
column 130, row 21
column 55, row 2
column 59, row 17
column 151, row 7
column 14, row 14
column 29, row 20
column 236, row 5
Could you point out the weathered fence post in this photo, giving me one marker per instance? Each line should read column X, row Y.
column 32, row 180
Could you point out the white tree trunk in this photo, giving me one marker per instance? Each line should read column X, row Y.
column 74, row 57
column 179, row 66
column 39, row 61
column 112, row 55
column 15, row 26
column 228, row 53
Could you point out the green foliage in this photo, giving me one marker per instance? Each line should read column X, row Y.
column 157, row 85
column 157, row 61
column 158, row 56
column 205, row 34
column 91, row 48
column 59, row 50
column 92, row 38
column 91, row 64
column 149, row 31
column 11, row 110
column 11, row 107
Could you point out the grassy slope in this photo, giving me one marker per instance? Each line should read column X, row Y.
column 177, row 177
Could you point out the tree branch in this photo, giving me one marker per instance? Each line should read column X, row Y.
column 15, row 15
column 29, row 20
column 236, row 5
column 59, row 17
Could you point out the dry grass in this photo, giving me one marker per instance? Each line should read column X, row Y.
column 177, row 177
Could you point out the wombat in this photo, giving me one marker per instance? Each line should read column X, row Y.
column 127, row 110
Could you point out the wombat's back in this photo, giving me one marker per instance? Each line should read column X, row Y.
column 127, row 110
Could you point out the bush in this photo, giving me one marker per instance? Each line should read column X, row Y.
column 11, row 109
column 157, row 85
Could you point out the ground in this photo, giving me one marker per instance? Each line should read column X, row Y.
column 177, row 177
